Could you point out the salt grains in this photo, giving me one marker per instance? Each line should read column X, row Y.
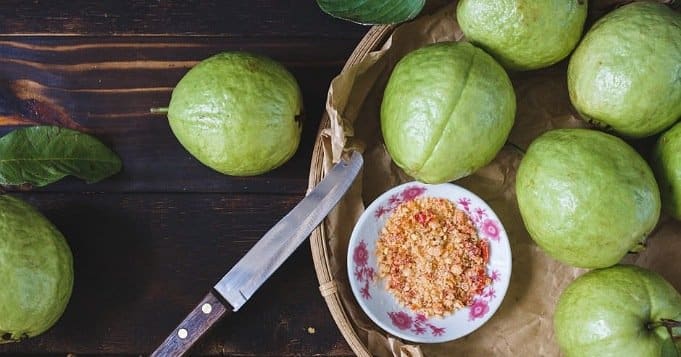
column 431, row 257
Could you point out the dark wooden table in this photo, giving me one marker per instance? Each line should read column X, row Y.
column 150, row 241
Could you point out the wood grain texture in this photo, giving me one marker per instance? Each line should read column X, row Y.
column 149, row 242
column 206, row 313
column 235, row 18
column 374, row 38
column 106, row 86
column 143, row 261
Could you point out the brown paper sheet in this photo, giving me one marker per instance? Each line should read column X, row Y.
column 523, row 324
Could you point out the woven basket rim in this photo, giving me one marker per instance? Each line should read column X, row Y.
column 373, row 40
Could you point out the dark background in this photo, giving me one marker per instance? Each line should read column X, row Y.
column 149, row 242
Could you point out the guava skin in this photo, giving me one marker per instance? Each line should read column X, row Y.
column 667, row 166
column 523, row 34
column 626, row 72
column 36, row 271
column 237, row 113
column 586, row 197
column 617, row 311
column 447, row 110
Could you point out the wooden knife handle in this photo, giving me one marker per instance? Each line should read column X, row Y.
column 207, row 313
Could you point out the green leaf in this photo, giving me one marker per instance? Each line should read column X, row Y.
column 41, row 155
column 369, row 12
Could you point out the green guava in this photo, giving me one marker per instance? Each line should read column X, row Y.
column 626, row 72
column 36, row 271
column 586, row 197
column 667, row 167
column 523, row 34
column 619, row 311
column 237, row 113
column 447, row 110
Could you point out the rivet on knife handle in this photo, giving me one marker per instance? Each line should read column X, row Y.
column 251, row 271
column 204, row 315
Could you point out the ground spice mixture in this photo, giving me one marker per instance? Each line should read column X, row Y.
column 431, row 257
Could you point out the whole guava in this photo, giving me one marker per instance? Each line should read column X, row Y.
column 447, row 110
column 586, row 197
column 523, row 34
column 626, row 72
column 619, row 311
column 36, row 271
column 237, row 113
column 667, row 167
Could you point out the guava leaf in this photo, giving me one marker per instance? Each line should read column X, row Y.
column 371, row 12
column 40, row 155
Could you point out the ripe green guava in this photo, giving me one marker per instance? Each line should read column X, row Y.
column 36, row 271
column 667, row 167
column 237, row 113
column 626, row 72
column 619, row 311
column 523, row 34
column 446, row 112
column 586, row 197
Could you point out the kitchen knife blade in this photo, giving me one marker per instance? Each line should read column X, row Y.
column 266, row 256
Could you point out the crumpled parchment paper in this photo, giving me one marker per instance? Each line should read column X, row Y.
column 523, row 324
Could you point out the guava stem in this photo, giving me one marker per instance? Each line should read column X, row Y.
column 668, row 324
column 162, row 110
column 12, row 188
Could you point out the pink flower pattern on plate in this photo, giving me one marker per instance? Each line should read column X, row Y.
column 480, row 305
column 412, row 192
column 401, row 320
column 406, row 195
column 465, row 202
column 486, row 226
column 478, row 309
column 361, row 255
column 495, row 276
column 490, row 293
column 491, row 229
column 363, row 272
column 418, row 325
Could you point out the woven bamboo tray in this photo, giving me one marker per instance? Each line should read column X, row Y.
column 533, row 102
column 373, row 40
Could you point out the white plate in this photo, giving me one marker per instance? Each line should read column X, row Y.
column 382, row 307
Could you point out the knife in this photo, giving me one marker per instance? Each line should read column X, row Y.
column 254, row 268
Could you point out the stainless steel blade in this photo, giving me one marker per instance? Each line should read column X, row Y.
column 239, row 284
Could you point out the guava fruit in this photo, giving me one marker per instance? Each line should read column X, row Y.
column 619, row 311
column 667, row 166
column 586, row 197
column 523, row 34
column 36, row 271
column 237, row 113
column 447, row 110
column 626, row 72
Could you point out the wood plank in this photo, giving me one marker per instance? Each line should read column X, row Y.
column 143, row 261
column 234, row 18
column 107, row 85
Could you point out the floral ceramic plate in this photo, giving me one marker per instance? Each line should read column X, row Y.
column 382, row 307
